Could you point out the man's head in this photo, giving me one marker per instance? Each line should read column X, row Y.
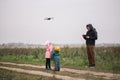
column 89, row 27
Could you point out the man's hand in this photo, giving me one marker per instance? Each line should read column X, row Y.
column 84, row 36
column 87, row 37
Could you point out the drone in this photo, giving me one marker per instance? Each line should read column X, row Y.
column 49, row 18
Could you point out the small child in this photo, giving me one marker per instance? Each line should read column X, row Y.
column 56, row 57
column 48, row 53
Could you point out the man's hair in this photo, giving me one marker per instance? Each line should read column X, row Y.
column 89, row 25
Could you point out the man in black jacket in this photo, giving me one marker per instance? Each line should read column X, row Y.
column 90, row 38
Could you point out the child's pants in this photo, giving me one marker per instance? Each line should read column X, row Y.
column 57, row 66
column 48, row 66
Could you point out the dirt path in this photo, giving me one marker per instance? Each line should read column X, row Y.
column 102, row 74
column 41, row 73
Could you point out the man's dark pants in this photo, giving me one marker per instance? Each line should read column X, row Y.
column 91, row 54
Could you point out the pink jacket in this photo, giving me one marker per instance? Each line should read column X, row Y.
column 48, row 53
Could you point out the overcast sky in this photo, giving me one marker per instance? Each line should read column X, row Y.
column 23, row 20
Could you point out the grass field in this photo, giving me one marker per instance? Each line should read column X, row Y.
column 107, row 58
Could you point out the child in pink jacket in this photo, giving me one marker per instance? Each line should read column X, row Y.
column 48, row 53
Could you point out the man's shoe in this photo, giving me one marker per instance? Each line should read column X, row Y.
column 92, row 66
